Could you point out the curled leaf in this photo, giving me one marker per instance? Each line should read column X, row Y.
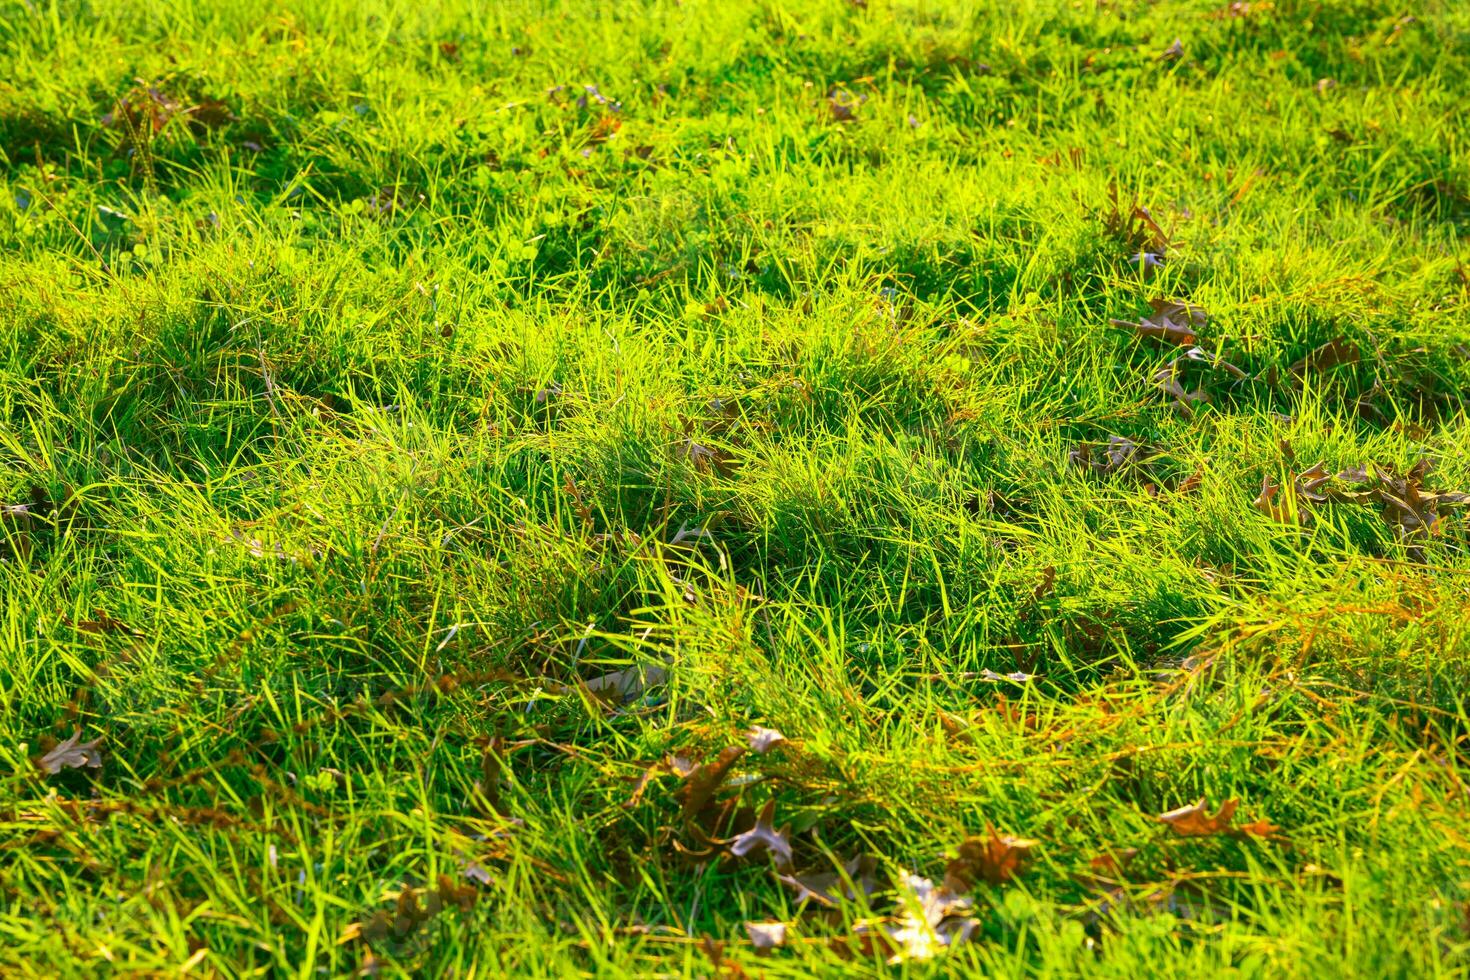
column 1335, row 353
column 764, row 837
column 994, row 859
column 1195, row 820
column 701, row 784
column 72, row 753
column 1172, row 321
column 762, row 740
column 766, row 936
column 825, row 888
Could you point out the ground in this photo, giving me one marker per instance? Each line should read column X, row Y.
column 439, row 440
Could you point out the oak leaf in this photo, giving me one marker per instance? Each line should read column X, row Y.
column 994, row 859
column 766, row 936
column 764, row 837
column 762, row 740
column 72, row 753
column 702, row 782
column 1195, row 820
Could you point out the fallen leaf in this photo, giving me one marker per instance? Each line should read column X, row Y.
column 1016, row 677
column 72, row 753
column 626, row 685
column 1195, row 819
column 994, row 859
column 1113, row 862
column 1202, row 356
column 1261, row 828
column 764, row 837
column 1171, row 321
column 488, row 785
column 1167, row 378
column 1118, row 454
column 935, row 920
column 701, row 784
column 1334, row 353
column 763, row 740
column 766, row 936
column 825, row 888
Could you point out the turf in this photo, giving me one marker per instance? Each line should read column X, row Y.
column 421, row 422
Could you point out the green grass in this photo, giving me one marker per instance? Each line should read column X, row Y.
column 369, row 381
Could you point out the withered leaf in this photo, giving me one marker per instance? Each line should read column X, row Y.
column 1260, row 828
column 71, row 753
column 994, row 859
column 766, row 936
column 628, row 684
column 1202, row 356
column 1113, row 862
column 762, row 740
column 1015, row 677
column 1266, row 503
column 1167, row 378
column 827, row 887
column 1335, row 353
column 701, row 784
column 1116, row 455
column 764, row 837
column 1172, row 321
column 1195, row 820
column 941, row 919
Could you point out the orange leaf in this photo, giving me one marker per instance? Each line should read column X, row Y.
column 995, row 859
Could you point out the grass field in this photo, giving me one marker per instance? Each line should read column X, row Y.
column 438, row 439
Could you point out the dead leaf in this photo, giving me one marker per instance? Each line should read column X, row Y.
column 626, row 685
column 766, row 936
column 1016, row 677
column 72, row 753
column 1171, row 321
column 764, row 837
column 825, row 888
column 763, row 740
column 1113, row 862
column 1118, row 454
column 1261, row 828
column 1167, row 378
column 1195, row 820
column 994, row 859
column 488, row 785
column 701, row 784
column 935, row 920
column 1202, row 356
column 1335, row 353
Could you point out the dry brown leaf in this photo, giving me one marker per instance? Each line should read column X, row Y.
column 1195, row 820
column 72, row 753
column 1113, row 862
column 766, row 936
column 994, row 859
column 1261, row 828
column 1118, row 454
column 764, row 837
column 936, row 920
column 1335, row 353
column 763, row 740
column 825, row 888
column 702, row 782
column 1172, row 321
column 626, row 685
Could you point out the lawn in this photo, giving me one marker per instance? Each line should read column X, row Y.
column 735, row 488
